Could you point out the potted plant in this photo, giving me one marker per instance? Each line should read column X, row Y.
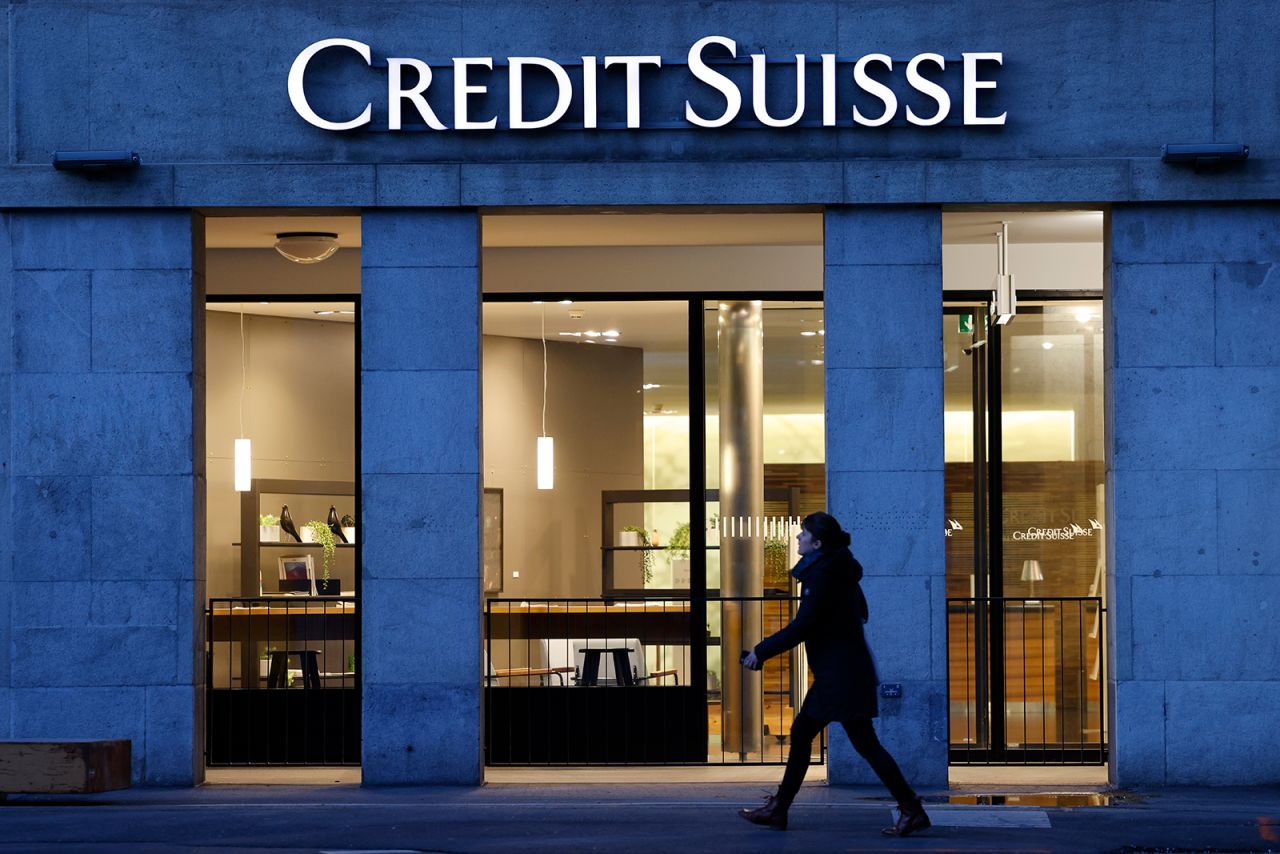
column 641, row 538
column 678, row 545
column 349, row 527
column 268, row 528
column 264, row 662
column 320, row 533
column 777, row 559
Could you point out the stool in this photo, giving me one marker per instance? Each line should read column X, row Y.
column 591, row 665
column 308, row 660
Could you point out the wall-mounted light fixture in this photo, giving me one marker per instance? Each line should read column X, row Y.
column 1004, row 296
column 306, row 247
column 94, row 161
column 1205, row 155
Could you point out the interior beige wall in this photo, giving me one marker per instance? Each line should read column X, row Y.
column 227, row 270
column 299, row 412
column 552, row 538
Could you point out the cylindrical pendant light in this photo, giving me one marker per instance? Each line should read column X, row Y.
column 244, row 473
column 546, row 462
column 546, row 445
column 244, row 465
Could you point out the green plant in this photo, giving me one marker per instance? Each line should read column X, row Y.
column 679, row 542
column 348, row 521
column 266, row 652
column 646, row 556
column 351, row 663
column 321, row 534
column 268, row 519
column 777, row 554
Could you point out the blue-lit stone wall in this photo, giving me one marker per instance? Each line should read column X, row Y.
column 98, row 557
column 1193, row 382
column 420, row 472
column 100, row 576
column 1092, row 90
column 883, row 294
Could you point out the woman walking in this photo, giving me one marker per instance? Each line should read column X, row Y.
column 829, row 622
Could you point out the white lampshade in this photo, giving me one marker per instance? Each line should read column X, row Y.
column 1031, row 571
column 546, row 462
column 244, row 473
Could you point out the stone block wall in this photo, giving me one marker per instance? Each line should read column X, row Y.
column 100, row 584
column 420, row 476
column 883, row 294
column 1193, row 379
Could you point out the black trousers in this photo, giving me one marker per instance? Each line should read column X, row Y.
column 863, row 735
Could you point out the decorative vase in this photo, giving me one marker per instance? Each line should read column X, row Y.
column 331, row 587
column 268, row 533
column 628, row 538
column 308, row 535
column 350, row 534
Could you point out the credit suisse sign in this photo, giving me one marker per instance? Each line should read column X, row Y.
column 409, row 93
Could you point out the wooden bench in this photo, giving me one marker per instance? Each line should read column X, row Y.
column 70, row 766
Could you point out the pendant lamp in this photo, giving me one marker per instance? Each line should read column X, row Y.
column 243, row 456
column 546, row 445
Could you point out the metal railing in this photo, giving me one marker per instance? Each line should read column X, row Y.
column 1027, row 680
column 613, row 682
column 281, row 684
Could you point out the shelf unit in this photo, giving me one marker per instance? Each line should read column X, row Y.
column 609, row 498
column 251, row 508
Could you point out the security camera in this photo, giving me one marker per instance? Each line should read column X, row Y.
column 1204, row 153
column 94, row 160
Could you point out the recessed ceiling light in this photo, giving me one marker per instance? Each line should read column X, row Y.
column 815, row 361
column 1048, row 345
column 610, row 333
column 572, row 334
column 591, row 333
column 1083, row 315
column 648, row 386
column 808, row 333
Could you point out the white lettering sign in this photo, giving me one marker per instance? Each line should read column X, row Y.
column 408, row 84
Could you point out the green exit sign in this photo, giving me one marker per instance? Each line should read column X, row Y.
column 966, row 324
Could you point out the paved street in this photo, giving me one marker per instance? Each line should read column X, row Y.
column 618, row 818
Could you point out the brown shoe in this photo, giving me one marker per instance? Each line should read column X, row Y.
column 772, row 815
column 911, row 818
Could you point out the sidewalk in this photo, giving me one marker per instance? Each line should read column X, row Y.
column 645, row 818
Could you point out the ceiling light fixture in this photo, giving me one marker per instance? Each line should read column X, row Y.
column 808, row 333
column 243, row 454
column 306, row 247
column 546, row 445
column 648, row 386
column 611, row 333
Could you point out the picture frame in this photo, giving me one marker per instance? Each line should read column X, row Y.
column 297, row 574
column 492, row 541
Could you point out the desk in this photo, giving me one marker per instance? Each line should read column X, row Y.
column 621, row 665
column 281, row 622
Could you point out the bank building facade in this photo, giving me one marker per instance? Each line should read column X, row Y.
column 437, row 389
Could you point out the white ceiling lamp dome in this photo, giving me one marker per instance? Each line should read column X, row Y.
column 307, row 247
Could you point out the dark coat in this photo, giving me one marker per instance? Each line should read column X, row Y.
column 829, row 622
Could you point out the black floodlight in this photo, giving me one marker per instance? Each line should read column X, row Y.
column 94, row 161
column 1203, row 154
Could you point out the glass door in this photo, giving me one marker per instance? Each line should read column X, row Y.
column 1025, row 506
